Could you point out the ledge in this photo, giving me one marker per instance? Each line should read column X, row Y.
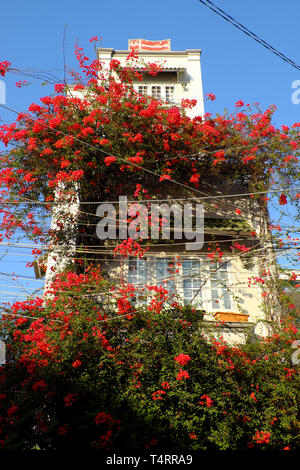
column 231, row 324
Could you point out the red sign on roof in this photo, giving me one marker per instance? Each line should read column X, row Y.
column 145, row 45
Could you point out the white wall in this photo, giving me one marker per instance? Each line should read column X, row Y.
column 189, row 84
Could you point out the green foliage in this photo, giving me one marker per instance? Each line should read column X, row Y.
column 98, row 379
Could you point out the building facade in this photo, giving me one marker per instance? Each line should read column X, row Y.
column 179, row 77
column 226, row 290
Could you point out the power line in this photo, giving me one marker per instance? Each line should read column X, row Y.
column 171, row 199
column 43, row 247
column 248, row 32
column 28, row 316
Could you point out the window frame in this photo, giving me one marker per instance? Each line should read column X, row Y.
column 179, row 289
column 148, row 91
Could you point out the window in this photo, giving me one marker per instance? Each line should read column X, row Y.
column 219, row 291
column 192, row 282
column 164, row 275
column 195, row 280
column 142, row 90
column 156, row 92
column 138, row 271
column 170, row 97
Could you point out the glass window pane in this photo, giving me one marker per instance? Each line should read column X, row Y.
column 165, row 274
column 156, row 92
column 170, row 94
column 137, row 271
column 219, row 287
column 142, row 89
column 192, row 281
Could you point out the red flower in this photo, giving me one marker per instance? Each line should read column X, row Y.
column 70, row 399
column 182, row 359
column 208, row 401
column 4, row 67
column 94, row 38
column 210, row 96
column 12, row 410
column 109, row 160
column 238, row 211
column 219, row 157
column 103, row 417
column 195, row 178
column 239, row 104
column 288, row 158
column 157, row 395
column 103, row 142
column 165, row 385
column 185, row 103
column 40, row 385
column 183, row 374
column 59, row 87
column 164, row 177
column 261, row 437
column 76, row 363
column 79, row 86
column 282, row 200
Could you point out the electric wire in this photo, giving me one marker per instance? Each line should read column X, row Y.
column 248, row 32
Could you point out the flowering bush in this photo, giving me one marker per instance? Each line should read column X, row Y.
column 88, row 367
column 83, row 375
column 104, row 137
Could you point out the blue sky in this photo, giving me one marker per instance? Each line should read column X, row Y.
column 234, row 66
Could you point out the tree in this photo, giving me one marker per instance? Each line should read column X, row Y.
column 86, row 375
column 93, row 367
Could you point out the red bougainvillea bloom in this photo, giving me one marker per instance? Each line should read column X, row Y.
column 238, row 211
column 182, row 359
column 183, row 374
column 103, row 417
column 195, row 178
column 282, row 200
column 59, row 87
column 239, row 104
column 76, row 363
column 165, row 385
column 12, row 410
column 164, row 177
column 158, row 395
column 40, row 385
column 4, row 67
column 210, row 96
column 109, row 160
column 70, row 399
column 206, row 400
column 261, row 437
column 219, row 157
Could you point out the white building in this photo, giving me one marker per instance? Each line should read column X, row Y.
column 180, row 75
column 227, row 293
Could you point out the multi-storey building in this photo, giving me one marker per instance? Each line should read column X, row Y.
column 179, row 76
column 227, row 289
